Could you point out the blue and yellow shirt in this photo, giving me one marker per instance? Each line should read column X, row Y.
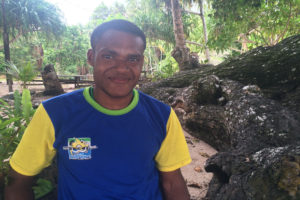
column 103, row 154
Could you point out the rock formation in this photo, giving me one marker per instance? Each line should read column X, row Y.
column 248, row 108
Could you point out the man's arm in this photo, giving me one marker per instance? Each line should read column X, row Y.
column 19, row 187
column 174, row 186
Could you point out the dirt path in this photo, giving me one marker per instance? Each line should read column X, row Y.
column 194, row 174
column 196, row 177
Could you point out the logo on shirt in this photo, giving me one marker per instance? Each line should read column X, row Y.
column 79, row 148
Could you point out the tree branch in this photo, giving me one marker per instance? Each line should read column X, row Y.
column 245, row 39
column 234, row 49
column 195, row 43
column 187, row 11
column 264, row 39
column 191, row 12
column 286, row 27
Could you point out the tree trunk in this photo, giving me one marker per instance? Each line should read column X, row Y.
column 6, row 46
column 275, row 70
column 2, row 185
column 51, row 82
column 181, row 53
column 38, row 53
column 204, row 30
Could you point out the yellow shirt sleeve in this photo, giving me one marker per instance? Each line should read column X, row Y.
column 35, row 151
column 173, row 152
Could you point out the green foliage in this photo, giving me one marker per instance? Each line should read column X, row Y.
column 13, row 120
column 27, row 110
column 21, row 52
column 2, row 64
column 166, row 68
column 69, row 52
column 27, row 16
column 231, row 25
column 104, row 13
column 17, row 103
column 42, row 188
column 253, row 22
column 155, row 21
column 23, row 73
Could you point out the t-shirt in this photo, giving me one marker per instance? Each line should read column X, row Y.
column 101, row 153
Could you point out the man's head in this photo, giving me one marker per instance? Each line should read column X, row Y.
column 118, row 25
column 117, row 57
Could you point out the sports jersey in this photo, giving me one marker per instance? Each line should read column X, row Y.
column 101, row 153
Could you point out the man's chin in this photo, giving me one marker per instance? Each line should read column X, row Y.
column 120, row 94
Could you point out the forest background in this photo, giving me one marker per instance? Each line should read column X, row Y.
column 212, row 30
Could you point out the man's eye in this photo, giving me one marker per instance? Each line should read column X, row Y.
column 108, row 57
column 133, row 59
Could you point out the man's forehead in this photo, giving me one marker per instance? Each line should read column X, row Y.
column 115, row 38
column 119, row 51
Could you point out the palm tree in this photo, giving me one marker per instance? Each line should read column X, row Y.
column 181, row 53
column 23, row 17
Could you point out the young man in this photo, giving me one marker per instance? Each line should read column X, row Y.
column 111, row 141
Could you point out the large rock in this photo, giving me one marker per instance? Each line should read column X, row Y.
column 248, row 109
column 275, row 70
column 271, row 173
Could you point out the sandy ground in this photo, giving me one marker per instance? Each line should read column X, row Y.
column 196, row 177
column 194, row 174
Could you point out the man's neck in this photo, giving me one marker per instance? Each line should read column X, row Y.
column 112, row 103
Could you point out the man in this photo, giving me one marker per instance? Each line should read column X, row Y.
column 111, row 141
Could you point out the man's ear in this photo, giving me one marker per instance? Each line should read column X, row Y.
column 143, row 57
column 142, row 61
column 90, row 57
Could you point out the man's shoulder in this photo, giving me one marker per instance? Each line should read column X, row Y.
column 63, row 107
column 154, row 104
column 64, row 102
column 65, row 97
column 149, row 98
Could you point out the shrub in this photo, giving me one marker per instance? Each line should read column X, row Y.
column 13, row 121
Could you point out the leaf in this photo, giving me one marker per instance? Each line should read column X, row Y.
column 42, row 188
column 4, row 124
column 17, row 103
column 6, row 109
column 205, row 155
column 3, row 102
column 26, row 105
column 198, row 169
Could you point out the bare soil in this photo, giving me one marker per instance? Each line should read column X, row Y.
column 194, row 174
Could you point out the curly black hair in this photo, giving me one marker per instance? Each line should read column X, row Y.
column 118, row 25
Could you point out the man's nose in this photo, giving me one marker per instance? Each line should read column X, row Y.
column 121, row 64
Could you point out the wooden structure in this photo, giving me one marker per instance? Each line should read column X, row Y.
column 80, row 80
column 77, row 80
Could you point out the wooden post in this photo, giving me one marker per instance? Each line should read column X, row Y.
column 77, row 80
column 51, row 82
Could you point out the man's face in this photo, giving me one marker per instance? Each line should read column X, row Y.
column 117, row 61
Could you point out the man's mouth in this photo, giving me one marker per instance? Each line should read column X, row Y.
column 119, row 80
